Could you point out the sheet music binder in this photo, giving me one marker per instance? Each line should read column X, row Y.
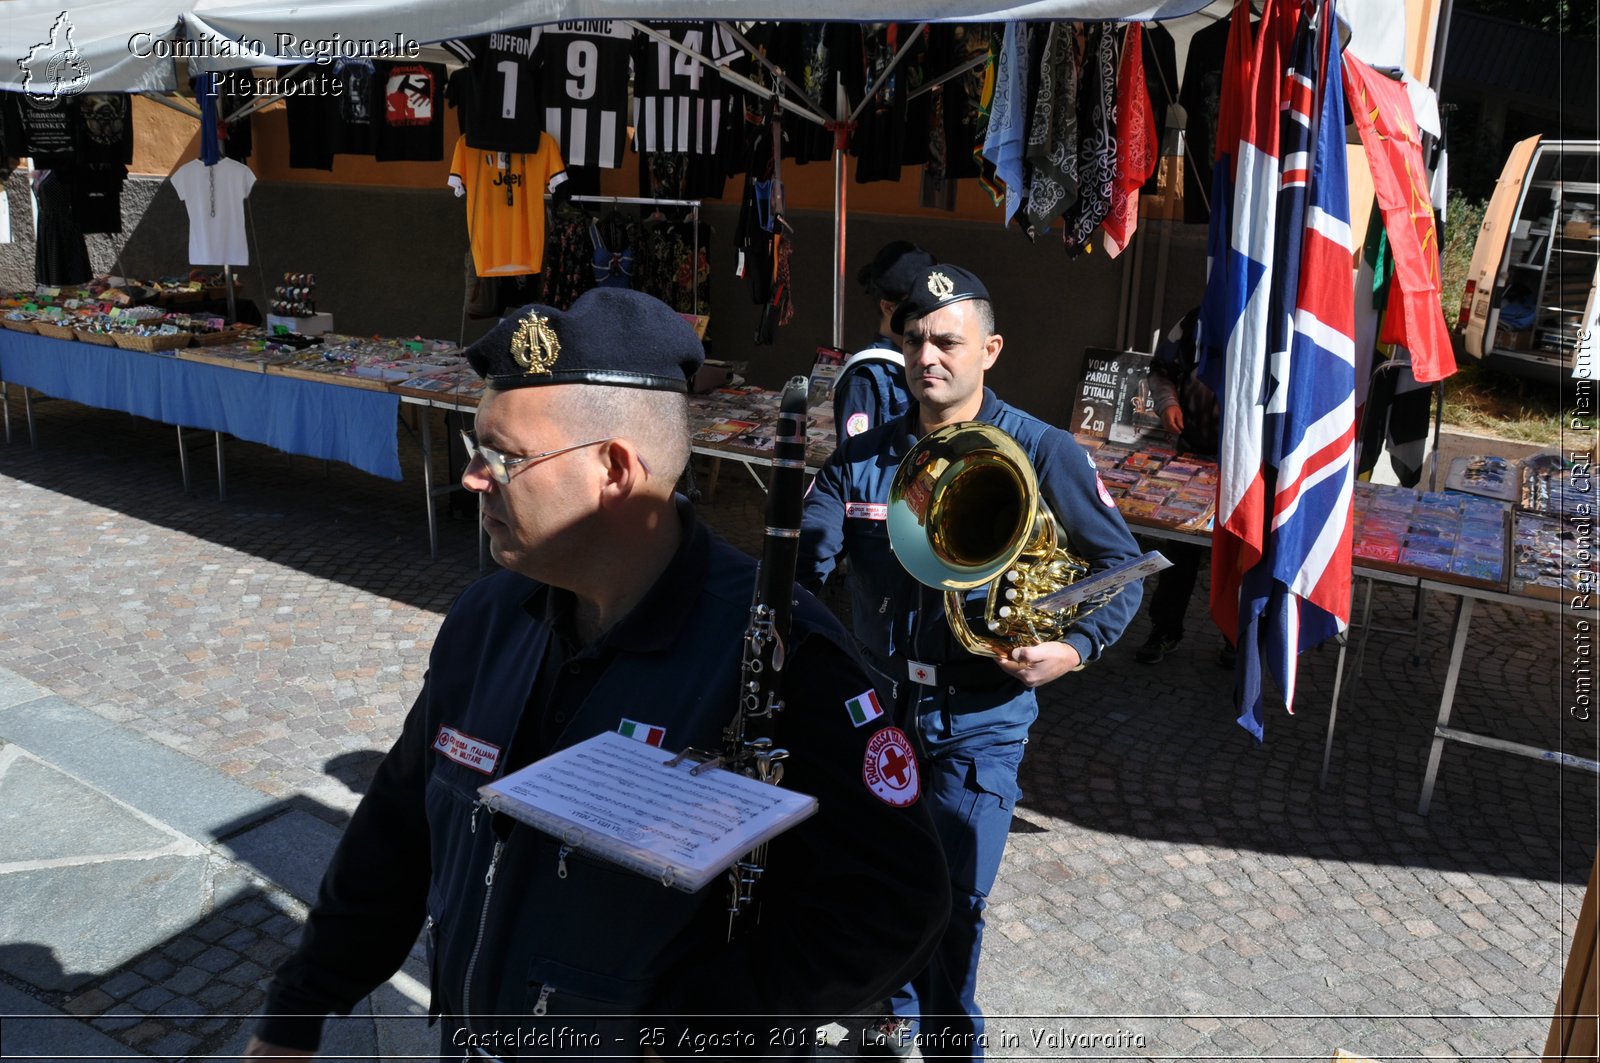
column 618, row 799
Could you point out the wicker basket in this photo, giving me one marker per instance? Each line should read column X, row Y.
column 217, row 339
column 167, row 342
column 17, row 326
column 102, row 339
column 55, row 332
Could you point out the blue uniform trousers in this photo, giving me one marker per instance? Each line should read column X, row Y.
column 970, row 794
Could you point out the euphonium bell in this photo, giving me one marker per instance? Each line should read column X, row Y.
column 965, row 510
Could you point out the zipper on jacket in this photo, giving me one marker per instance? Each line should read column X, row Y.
column 542, row 1005
column 477, row 806
column 477, row 945
column 561, row 861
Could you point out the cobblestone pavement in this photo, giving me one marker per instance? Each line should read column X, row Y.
column 1171, row 889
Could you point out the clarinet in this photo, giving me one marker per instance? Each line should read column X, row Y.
column 748, row 738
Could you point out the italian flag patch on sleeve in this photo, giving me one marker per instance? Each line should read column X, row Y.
column 648, row 733
column 864, row 708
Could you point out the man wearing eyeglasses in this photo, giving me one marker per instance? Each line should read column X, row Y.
column 616, row 610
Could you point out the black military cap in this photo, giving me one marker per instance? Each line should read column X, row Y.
column 892, row 269
column 613, row 336
column 934, row 287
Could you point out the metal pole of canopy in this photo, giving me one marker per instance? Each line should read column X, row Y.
column 777, row 71
column 841, row 139
column 928, row 86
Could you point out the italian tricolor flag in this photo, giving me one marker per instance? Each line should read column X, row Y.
column 648, row 733
column 864, row 708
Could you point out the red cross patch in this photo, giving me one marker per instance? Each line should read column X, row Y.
column 1105, row 496
column 890, row 768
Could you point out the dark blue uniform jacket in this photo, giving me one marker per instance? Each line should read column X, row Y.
column 874, row 387
column 852, row 900
column 899, row 620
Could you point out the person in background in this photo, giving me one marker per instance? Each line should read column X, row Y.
column 1188, row 410
column 615, row 610
column 871, row 388
column 969, row 714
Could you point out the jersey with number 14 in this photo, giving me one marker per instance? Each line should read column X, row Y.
column 585, row 87
column 678, row 100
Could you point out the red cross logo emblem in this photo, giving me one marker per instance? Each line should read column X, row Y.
column 890, row 768
column 922, row 673
column 894, row 766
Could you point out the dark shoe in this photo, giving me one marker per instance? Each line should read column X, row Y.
column 1227, row 655
column 886, row 1035
column 1156, row 648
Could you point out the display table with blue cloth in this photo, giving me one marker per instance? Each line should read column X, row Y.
column 319, row 420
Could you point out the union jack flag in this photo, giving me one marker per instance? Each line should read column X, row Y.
column 1281, row 552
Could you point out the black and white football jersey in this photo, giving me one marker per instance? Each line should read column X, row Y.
column 678, row 99
column 585, row 89
column 502, row 110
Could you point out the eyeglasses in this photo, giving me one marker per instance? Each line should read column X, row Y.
column 502, row 467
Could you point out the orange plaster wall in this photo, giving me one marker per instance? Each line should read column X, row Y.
column 163, row 139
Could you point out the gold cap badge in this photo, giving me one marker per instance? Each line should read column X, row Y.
column 535, row 345
column 940, row 286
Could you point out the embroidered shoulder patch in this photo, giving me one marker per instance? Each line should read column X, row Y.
column 1105, row 496
column 864, row 707
column 857, row 423
column 890, row 768
column 465, row 750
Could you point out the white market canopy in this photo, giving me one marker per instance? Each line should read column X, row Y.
column 131, row 45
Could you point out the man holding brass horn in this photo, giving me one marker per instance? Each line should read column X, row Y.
column 616, row 610
column 971, row 496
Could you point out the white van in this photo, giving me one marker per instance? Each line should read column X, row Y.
column 1529, row 304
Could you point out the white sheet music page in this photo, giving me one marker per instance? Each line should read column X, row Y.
column 616, row 798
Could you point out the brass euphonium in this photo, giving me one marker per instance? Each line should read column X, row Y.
column 965, row 510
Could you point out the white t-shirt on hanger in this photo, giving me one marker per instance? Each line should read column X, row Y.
column 214, row 196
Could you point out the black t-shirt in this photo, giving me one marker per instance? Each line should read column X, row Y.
column 352, row 120
column 879, row 138
column 238, row 137
column 97, row 198
column 47, row 130
column 309, row 148
column 412, row 97
column 59, row 255
column 502, row 110
column 13, row 138
column 1201, row 97
column 1161, row 79
column 104, row 130
column 962, row 119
